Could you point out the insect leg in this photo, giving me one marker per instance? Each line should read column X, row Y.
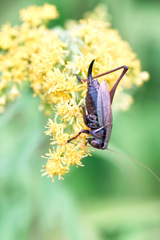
column 78, row 78
column 84, row 114
column 82, row 131
column 112, row 91
column 98, row 129
column 113, row 70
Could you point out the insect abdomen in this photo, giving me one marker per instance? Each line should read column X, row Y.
column 91, row 100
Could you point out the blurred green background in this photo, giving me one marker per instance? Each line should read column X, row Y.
column 111, row 198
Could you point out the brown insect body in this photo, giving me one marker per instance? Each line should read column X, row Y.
column 99, row 117
column 98, row 103
column 92, row 93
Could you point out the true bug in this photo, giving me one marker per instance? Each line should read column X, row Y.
column 98, row 104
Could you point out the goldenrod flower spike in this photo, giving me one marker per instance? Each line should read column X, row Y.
column 36, row 16
column 48, row 58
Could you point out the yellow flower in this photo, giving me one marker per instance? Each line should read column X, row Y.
column 62, row 139
column 8, row 37
column 123, row 102
column 55, row 164
column 35, row 15
column 54, row 127
column 48, row 60
column 74, row 154
column 69, row 111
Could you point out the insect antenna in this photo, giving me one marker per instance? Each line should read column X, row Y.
column 141, row 164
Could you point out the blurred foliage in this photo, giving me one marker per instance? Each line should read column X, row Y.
column 110, row 198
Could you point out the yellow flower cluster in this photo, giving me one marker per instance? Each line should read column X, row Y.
column 36, row 16
column 29, row 52
column 47, row 59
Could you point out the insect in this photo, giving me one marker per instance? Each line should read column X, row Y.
column 99, row 114
column 98, row 103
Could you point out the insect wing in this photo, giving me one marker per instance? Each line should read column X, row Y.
column 104, row 111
